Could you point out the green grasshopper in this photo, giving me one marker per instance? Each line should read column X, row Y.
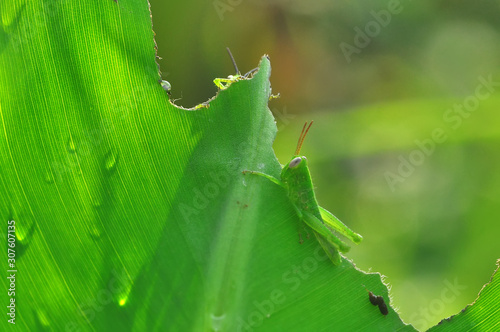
column 296, row 180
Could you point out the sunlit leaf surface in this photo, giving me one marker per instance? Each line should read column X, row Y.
column 131, row 213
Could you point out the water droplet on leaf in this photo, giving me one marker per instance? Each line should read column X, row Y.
column 48, row 178
column 96, row 200
column 110, row 161
column 166, row 86
column 125, row 287
column 25, row 230
column 217, row 321
column 71, row 146
column 95, row 232
column 42, row 318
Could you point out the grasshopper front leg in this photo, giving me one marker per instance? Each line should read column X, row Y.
column 267, row 176
column 281, row 184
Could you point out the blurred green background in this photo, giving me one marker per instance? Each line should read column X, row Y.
column 406, row 101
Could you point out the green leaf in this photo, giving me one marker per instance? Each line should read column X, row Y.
column 482, row 315
column 133, row 214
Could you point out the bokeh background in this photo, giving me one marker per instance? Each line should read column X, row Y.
column 406, row 101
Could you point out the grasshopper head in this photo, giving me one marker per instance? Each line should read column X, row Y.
column 298, row 163
column 295, row 166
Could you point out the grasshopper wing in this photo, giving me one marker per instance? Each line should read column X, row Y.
column 332, row 221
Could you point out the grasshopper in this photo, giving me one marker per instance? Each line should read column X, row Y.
column 296, row 180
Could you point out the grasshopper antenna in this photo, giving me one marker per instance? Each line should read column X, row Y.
column 302, row 137
column 232, row 59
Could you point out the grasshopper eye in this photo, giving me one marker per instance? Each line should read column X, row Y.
column 295, row 162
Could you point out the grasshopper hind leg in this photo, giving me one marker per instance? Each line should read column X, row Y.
column 302, row 227
column 330, row 250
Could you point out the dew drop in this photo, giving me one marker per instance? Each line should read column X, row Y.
column 96, row 200
column 260, row 166
column 110, row 161
column 42, row 318
column 166, row 86
column 71, row 146
column 123, row 297
column 25, row 228
column 217, row 321
column 95, row 232
column 48, row 178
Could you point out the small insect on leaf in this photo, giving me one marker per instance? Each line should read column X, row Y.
column 378, row 301
column 224, row 83
column 374, row 299
column 296, row 180
column 383, row 308
column 276, row 96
